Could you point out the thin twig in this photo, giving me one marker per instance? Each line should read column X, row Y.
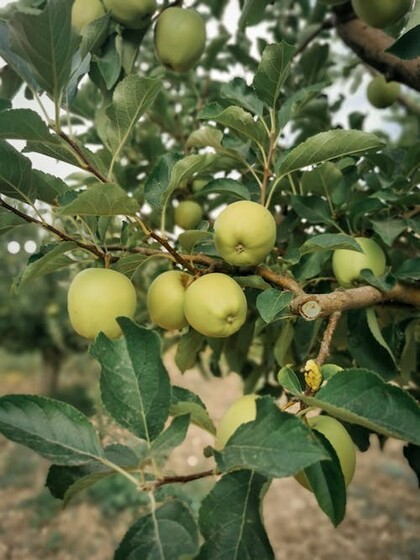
column 61, row 234
column 324, row 350
column 185, row 478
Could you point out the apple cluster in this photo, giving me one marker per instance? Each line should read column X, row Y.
column 179, row 33
column 214, row 304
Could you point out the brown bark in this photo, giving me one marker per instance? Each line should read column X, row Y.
column 370, row 45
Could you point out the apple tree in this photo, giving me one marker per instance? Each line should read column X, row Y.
column 226, row 197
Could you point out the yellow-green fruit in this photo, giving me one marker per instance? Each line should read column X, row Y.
column 96, row 297
column 85, row 11
column 240, row 412
column 245, row 233
column 380, row 13
column 215, row 305
column 342, row 443
column 133, row 14
column 382, row 94
column 347, row 264
column 180, row 38
column 188, row 214
column 165, row 299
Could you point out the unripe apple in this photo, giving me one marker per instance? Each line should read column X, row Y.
column 342, row 443
column 348, row 264
column 240, row 412
column 85, row 11
column 165, row 299
column 188, row 214
column 380, row 13
column 180, row 38
column 382, row 94
column 96, row 297
column 215, row 305
column 245, row 233
column 133, row 14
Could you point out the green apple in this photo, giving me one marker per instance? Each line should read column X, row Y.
column 84, row 12
column 188, row 214
column 380, row 13
column 133, row 14
column 96, row 297
column 199, row 183
column 340, row 440
column 165, row 299
column 382, row 94
column 240, row 412
column 245, row 233
column 180, row 38
column 348, row 264
column 215, row 305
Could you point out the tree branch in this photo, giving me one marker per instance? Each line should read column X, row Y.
column 370, row 45
column 314, row 306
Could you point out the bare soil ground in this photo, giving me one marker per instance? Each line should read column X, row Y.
column 382, row 521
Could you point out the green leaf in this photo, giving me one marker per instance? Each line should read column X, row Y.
column 134, row 383
column 9, row 221
column 132, row 97
column 167, row 533
column 312, row 208
column 361, row 397
column 283, row 343
column 189, row 346
column 19, row 65
column 65, row 483
column 407, row 46
column 252, row 12
column 94, row 34
column 47, row 42
column 225, row 186
column 15, row 174
column 329, row 145
column 170, row 172
column 271, row 302
column 158, row 180
column 58, row 149
column 373, row 323
column 185, row 402
column 294, row 102
column 52, row 257
column 365, row 349
column 23, row 124
column 389, row 230
column 237, row 119
column 329, row 242
column 289, row 381
column 409, row 270
column 240, row 93
column 129, row 264
column 101, row 199
column 18, row 180
column 327, row 482
column 230, row 519
column 276, row 444
column 272, row 72
column 190, row 238
column 173, row 436
column 54, row 429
